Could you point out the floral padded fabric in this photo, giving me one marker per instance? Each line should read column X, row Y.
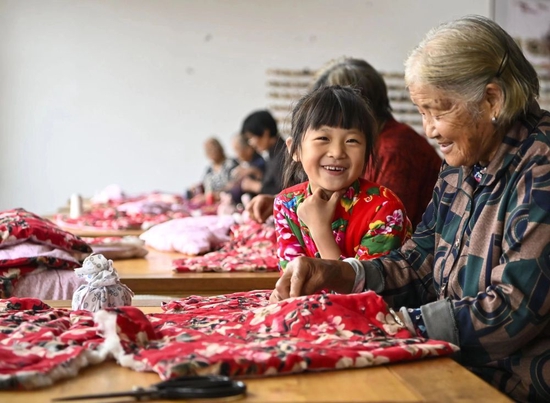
column 19, row 228
column 20, row 225
column 252, row 247
column 237, row 334
column 12, row 270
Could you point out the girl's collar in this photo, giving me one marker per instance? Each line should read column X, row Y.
column 349, row 193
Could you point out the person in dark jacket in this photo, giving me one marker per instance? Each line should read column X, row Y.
column 260, row 129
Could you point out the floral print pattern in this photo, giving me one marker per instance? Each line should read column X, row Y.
column 252, row 247
column 18, row 226
column 237, row 334
column 369, row 222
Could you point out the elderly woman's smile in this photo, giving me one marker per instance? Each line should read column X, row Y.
column 463, row 138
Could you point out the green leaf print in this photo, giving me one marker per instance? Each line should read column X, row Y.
column 375, row 190
column 339, row 223
column 380, row 243
column 296, row 231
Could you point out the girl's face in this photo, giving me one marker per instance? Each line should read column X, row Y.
column 332, row 158
column 463, row 139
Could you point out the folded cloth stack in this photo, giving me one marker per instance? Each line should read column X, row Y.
column 103, row 288
column 117, row 247
column 30, row 244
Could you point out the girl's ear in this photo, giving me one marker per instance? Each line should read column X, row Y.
column 289, row 148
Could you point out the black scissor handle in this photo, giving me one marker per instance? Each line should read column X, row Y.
column 204, row 381
column 176, row 393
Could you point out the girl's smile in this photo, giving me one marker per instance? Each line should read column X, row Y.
column 332, row 158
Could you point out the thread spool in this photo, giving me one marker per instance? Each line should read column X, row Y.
column 75, row 206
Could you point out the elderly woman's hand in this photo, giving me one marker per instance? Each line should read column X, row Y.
column 305, row 275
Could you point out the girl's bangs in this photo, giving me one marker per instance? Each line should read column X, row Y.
column 342, row 111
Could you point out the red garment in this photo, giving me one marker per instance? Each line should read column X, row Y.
column 237, row 334
column 368, row 222
column 407, row 164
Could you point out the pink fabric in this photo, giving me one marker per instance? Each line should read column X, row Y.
column 48, row 284
column 190, row 235
column 29, row 249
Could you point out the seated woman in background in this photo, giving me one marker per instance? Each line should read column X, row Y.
column 251, row 165
column 476, row 272
column 218, row 174
column 335, row 213
column 260, row 129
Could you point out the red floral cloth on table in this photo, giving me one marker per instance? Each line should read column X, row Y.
column 135, row 213
column 39, row 344
column 19, row 228
column 252, row 247
column 235, row 334
column 109, row 218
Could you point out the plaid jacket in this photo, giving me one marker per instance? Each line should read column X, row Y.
column 478, row 264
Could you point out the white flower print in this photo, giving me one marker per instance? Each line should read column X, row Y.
column 389, row 324
column 261, row 313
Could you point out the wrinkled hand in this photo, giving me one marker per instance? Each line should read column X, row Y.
column 305, row 276
column 260, row 207
column 274, row 297
column 317, row 211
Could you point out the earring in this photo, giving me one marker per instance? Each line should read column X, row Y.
column 494, row 119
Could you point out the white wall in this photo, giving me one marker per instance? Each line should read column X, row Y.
column 94, row 92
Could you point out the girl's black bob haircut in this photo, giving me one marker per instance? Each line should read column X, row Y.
column 332, row 106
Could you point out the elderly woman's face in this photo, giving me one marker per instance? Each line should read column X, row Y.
column 213, row 151
column 462, row 138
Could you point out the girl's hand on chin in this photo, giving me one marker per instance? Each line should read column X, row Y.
column 317, row 210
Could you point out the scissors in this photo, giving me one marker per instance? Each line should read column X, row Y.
column 180, row 388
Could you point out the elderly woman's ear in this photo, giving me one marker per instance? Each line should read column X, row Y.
column 494, row 98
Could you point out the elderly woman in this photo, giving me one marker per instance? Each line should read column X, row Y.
column 477, row 270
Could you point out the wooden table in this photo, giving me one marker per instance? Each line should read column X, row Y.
column 91, row 232
column 154, row 275
column 434, row 380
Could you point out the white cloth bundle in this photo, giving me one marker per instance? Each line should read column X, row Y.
column 104, row 289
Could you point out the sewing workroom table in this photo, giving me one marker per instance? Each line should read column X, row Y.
column 433, row 380
column 154, row 275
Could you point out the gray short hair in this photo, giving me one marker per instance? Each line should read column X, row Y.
column 464, row 55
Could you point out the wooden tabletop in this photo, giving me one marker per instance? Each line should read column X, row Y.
column 154, row 274
column 93, row 232
column 433, row 380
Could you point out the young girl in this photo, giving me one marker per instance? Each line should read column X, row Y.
column 334, row 214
